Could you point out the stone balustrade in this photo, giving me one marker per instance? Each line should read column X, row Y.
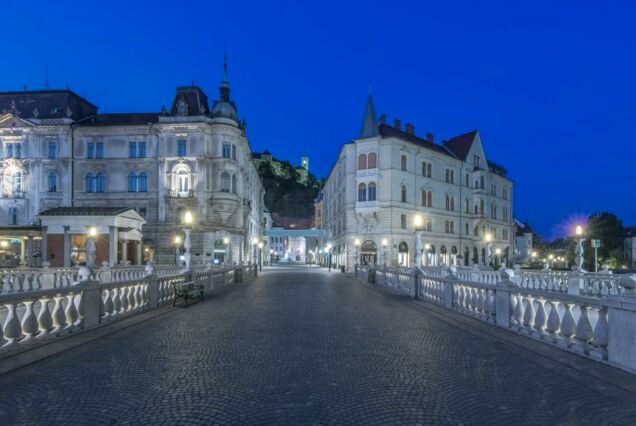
column 30, row 318
column 33, row 279
column 593, row 315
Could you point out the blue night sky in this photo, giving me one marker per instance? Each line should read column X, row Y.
column 551, row 89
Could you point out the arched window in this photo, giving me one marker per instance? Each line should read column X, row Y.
column 52, row 182
column 142, row 182
column 424, row 198
column 132, row 182
column 225, row 182
column 403, row 194
column 16, row 179
column 430, row 199
column 452, row 203
column 234, row 184
column 447, row 202
column 362, row 192
column 372, row 190
column 403, row 254
column 90, row 183
column 183, row 182
column 100, row 182
column 372, row 161
column 362, row 162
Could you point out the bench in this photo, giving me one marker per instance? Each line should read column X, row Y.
column 185, row 291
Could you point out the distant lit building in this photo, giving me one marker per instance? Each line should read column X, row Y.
column 58, row 151
column 388, row 176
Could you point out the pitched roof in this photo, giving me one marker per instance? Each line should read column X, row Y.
column 369, row 122
column 195, row 100
column 85, row 211
column 46, row 104
column 460, row 145
column 391, row 132
column 121, row 119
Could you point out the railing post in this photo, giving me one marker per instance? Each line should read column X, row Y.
column 150, row 273
column 89, row 302
column 416, row 279
column 48, row 276
column 621, row 320
column 105, row 273
column 502, row 298
column 449, row 284
column 576, row 282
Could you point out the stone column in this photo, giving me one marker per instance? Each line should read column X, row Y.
column 67, row 247
column 112, row 246
column 139, row 254
column 503, row 307
column 29, row 251
column 621, row 342
column 124, row 251
column 44, row 247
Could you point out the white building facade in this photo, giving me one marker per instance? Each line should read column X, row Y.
column 388, row 179
column 57, row 151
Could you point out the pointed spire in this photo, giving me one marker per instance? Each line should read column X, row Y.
column 369, row 123
column 225, row 85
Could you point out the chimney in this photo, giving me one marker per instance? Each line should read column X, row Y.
column 410, row 129
column 397, row 123
column 429, row 137
column 382, row 119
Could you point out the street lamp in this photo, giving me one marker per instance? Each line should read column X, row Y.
column 579, row 247
column 91, row 235
column 385, row 243
column 357, row 243
column 329, row 255
column 488, row 240
column 260, row 256
column 187, row 242
column 418, row 240
column 498, row 254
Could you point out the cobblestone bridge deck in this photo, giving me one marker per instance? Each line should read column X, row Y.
column 309, row 347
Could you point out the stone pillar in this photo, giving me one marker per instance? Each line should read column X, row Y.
column 91, row 301
column 124, row 251
column 67, row 247
column 112, row 245
column 621, row 320
column 139, row 255
column 29, row 251
column 503, row 307
column 44, row 246
column 576, row 280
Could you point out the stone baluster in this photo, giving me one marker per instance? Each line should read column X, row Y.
column 58, row 315
column 29, row 321
column 584, row 332
column 568, row 325
column 529, row 314
column 45, row 320
column 541, row 317
column 70, row 312
column 123, row 299
column 108, row 303
column 517, row 313
column 116, row 297
column 553, row 325
column 11, row 329
column 600, row 338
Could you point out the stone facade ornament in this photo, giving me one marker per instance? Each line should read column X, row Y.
column 182, row 107
column 69, row 112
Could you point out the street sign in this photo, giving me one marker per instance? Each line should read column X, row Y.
column 596, row 243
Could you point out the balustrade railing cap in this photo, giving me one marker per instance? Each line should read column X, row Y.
column 150, row 268
column 628, row 282
column 507, row 274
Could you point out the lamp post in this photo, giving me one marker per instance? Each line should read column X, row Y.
column 254, row 243
column 329, row 255
column 357, row 243
column 177, row 247
column 385, row 243
column 187, row 242
column 91, row 235
column 551, row 261
column 260, row 256
column 418, row 240
column 579, row 248
column 488, row 240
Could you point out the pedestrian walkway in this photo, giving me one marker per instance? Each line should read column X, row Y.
column 305, row 346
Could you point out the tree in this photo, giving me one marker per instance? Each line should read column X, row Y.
column 608, row 228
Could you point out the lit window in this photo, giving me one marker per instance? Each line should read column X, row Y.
column 181, row 148
column 52, row 182
column 52, row 150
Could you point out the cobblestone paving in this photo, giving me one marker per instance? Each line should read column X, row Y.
column 303, row 348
